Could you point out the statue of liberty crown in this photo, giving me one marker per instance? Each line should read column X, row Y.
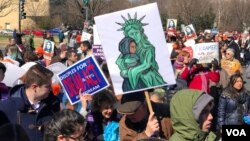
column 130, row 21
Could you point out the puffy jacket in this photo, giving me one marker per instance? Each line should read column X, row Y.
column 17, row 110
column 231, row 110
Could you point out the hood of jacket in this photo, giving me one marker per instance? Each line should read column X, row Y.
column 185, row 108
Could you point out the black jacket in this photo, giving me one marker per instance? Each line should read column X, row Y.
column 232, row 107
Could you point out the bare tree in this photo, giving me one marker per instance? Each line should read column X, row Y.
column 6, row 7
column 37, row 9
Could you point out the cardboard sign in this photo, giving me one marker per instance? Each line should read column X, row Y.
column 85, row 75
column 48, row 47
column 98, row 52
column 171, row 26
column 206, row 52
column 190, row 32
column 85, row 36
column 137, row 59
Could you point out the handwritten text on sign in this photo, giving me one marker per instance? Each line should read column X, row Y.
column 84, row 75
column 206, row 52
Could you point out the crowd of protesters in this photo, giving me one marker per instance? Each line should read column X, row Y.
column 214, row 95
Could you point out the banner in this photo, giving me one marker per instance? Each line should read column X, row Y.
column 190, row 32
column 206, row 52
column 48, row 47
column 134, row 45
column 85, row 75
column 85, row 36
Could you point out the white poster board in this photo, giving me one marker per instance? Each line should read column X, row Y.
column 97, row 40
column 206, row 52
column 85, row 36
column 150, row 65
column 170, row 48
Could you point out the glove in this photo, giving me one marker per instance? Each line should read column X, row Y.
column 192, row 62
column 215, row 64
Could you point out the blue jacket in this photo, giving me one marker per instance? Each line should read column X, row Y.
column 17, row 109
column 231, row 108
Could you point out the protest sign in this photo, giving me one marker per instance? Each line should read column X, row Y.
column 190, row 32
column 206, row 52
column 12, row 74
column 98, row 52
column 97, row 40
column 85, row 75
column 48, row 47
column 85, row 36
column 170, row 48
column 171, row 26
column 137, row 59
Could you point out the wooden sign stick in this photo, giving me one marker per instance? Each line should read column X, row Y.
column 148, row 102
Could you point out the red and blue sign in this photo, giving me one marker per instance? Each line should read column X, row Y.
column 85, row 75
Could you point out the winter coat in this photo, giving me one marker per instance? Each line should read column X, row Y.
column 198, row 78
column 232, row 107
column 134, row 131
column 184, row 123
column 18, row 110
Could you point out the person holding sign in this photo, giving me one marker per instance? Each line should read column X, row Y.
column 198, row 76
column 137, row 123
column 102, row 114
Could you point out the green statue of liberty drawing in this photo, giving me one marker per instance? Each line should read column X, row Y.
column 144, row 71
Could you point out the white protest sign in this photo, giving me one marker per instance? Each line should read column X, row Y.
column 97, row 40
column 137, row 59
column 85, row 36
column 206, row 52
column 170, row 47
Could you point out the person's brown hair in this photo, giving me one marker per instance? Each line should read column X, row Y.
column 37, row 74
column 29, row 56
column 100, row 97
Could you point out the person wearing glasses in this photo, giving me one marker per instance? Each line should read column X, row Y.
column 66, row 125
column 230, row 64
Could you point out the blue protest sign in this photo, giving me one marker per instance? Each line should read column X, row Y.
column 85, row 75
